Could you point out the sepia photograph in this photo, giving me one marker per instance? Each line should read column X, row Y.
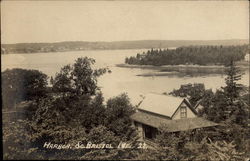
column 125, row 80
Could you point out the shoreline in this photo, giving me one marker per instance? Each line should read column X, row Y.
column 182, row 70
column 42, row 52
column 240, row 64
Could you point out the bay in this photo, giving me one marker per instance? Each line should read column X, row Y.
column 120, row 80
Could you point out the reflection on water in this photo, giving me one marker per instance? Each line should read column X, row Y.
column 121, row 79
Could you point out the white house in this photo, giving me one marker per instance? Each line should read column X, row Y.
column 175, row 113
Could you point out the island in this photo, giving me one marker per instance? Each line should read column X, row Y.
column 189, row 60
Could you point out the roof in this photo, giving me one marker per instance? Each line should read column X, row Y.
column 161, row 104
column 188, row 124
column 171, row 125
column 149, row 119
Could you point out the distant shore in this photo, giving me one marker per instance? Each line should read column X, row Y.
column 21, row 48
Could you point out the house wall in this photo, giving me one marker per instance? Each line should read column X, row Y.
column 177, row 115
column 140, row 131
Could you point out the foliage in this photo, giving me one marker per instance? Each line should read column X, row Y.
column 77, row 80
column 73, row 90
column 228, row 103
column 230, row 107
column 233, row 88
column 209, row 150
column 194, row 92
column 75, row 112
column 200, row 55
column 118, row 114
column 109, row 137
column 216, row 110
column 94, row 114
column 192, row 145
column 22, row 84
column 18, row 139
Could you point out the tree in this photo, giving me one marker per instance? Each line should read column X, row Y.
column 118, row 114
column 72, row 102
column 236, row 108
column 228, row 103
column 200, row 55
column 22, row 84
column 94, row 113
column 77, row 80
column 206, row 102
column 217, row 109
column 18, row 141
column 60, row 116
column 233, row 88
column 194, row 92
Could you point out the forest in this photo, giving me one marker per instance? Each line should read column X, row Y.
column 72, row 110
column 190, row 55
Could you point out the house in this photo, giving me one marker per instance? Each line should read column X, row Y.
column 174, row 113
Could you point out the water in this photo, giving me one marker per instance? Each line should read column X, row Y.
column 120, row 80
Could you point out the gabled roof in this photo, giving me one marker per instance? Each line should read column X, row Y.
column 161, row 104
column 171, row 125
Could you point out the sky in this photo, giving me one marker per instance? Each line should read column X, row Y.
column 55, row 21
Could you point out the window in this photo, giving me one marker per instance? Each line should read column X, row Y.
column 183, row 112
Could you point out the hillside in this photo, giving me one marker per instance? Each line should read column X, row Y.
column 84, row 45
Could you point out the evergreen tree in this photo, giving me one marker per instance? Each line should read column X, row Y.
column 234, row 107
column 233, row 88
